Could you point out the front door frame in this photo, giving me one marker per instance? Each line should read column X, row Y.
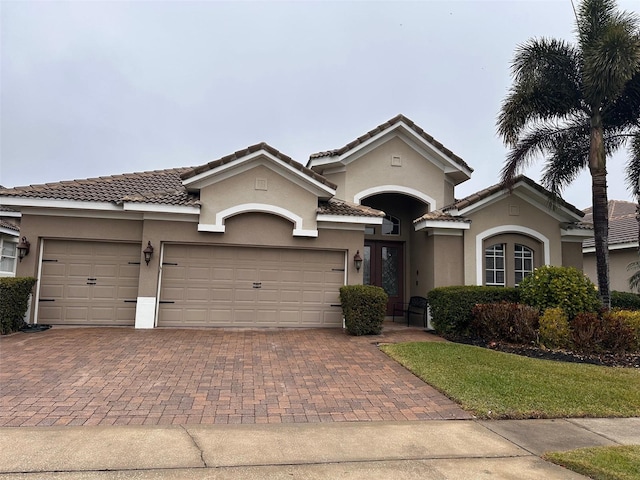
column 374, row 250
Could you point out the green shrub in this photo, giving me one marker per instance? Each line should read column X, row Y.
column 14, row 301
column 451, row 306
column 554, row 328
column 564, row 287
column 512, row 322
column 625, row 300
column 632, row 320
column 364, row 308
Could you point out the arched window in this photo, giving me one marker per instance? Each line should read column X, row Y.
column 510, row 257
column 523, row 257
column 390, row 225
column 494, row 265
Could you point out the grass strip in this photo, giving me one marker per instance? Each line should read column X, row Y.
column 601, row 463
column 500, row 385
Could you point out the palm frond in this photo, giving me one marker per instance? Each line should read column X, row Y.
column 611, row 52
column 541, row 140
column 624, row 111
column 633, row 167
column 546, row 86
column 634, row 279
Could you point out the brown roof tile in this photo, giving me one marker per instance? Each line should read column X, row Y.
column 252, row 149
column 487, row 192
column 339, row 207
column 623, row 226
column 439, row 215
column 158, row 186
column 380, row 128
column 9, row 225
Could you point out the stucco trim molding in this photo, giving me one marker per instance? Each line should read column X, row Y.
column 412, row 192
column 145, row 312
column 221, row 217
column 441, row 224
column 349, row 219
column 507, row 229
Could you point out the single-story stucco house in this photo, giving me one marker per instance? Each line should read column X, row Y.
column 257, row 239
column 623, row 244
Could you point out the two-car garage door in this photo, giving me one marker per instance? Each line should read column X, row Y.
column 203, row 285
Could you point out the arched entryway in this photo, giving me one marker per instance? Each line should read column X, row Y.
column 392, row 258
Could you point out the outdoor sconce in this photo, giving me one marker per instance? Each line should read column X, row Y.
column 357, row 260
column 148, row 252
column 23, row 248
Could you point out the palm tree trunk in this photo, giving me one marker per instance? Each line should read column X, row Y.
column 598, row 169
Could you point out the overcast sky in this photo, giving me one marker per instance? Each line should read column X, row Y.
column 99, row 88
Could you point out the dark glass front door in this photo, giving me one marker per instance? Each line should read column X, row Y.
column 382, row 266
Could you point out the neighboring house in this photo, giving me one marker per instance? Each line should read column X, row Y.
column 9, row 234
column 257, row 239
column 623, row 244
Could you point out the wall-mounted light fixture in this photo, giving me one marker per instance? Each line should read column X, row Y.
column 357, row 260
column 148, row 252
column 23, row 248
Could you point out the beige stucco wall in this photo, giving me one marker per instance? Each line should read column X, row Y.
column 374, row 169
column 572, row 255
column 448, row 259
column 510, row 215
column 241, row 189
column 618, row 261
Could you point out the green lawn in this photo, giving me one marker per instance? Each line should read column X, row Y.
column 601, row 463
column 500, row 385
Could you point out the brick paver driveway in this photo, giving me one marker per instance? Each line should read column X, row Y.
column 119, row 376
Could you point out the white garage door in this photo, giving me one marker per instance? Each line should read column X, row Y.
column 88, row 283
column 243, row 286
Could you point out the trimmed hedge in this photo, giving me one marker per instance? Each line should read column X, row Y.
column 512, row 322
column 451, row 307
column 625, row 300
column 364, row 308
column 14, row 301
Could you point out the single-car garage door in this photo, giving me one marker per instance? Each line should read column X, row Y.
column 204, row 285
column 88, row 283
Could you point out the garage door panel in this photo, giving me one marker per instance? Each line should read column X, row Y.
column 293, row 285
column 52, row 291
column 104, row 292
column 198, row 294
column 77, row 292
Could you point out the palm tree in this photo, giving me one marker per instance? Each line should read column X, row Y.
column 575, row 105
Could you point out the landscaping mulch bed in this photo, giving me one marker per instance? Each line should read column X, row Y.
column 630, row 360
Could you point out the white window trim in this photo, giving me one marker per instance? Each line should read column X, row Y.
column 412, row 192
column 494, row 269
column 7, row 273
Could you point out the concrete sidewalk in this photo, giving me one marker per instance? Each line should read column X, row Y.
column 400, row 450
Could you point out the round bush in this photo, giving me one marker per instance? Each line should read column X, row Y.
column 564, row 287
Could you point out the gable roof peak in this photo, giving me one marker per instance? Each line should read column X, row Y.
column 387, row 126
column 262, row 146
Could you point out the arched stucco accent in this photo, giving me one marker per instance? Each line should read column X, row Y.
column 221, row 217
column 507, row 229
column 412, row 192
